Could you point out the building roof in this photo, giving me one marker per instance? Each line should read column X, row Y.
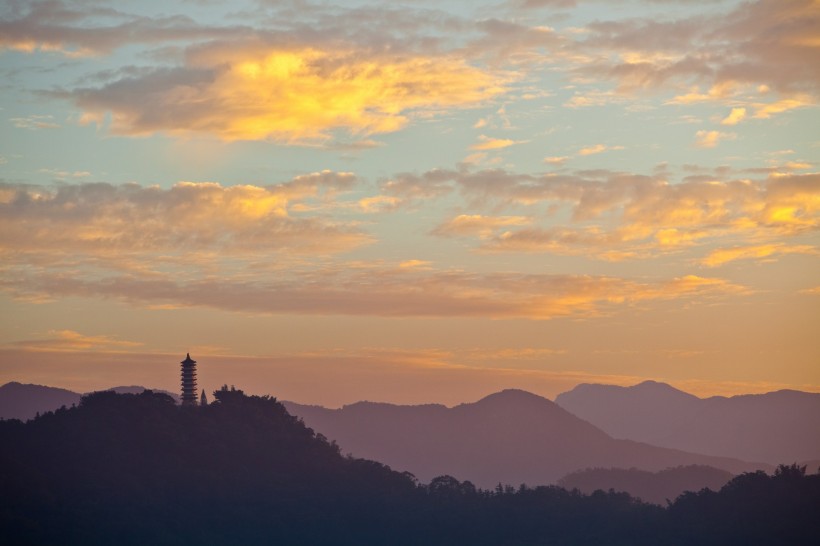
column 188, row 359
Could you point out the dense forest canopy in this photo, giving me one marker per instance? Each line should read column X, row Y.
column 137, row 468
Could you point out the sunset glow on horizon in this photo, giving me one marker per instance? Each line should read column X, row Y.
column 411, row 202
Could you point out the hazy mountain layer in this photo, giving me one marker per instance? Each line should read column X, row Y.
column 511, row 437
column 23, row 401
column 776, row 427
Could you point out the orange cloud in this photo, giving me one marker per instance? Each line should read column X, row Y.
column 254, row 91
column 716, row 92
column 379, row 203
column 766, row 110
column 723, row 256
column 735, row 116
column 597, row 149
column 710, row 139
column 488, row 143
column 556, row 160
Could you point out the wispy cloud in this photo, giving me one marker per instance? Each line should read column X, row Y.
column 723, row 256
column 476, row 224
column 388, row 292
column 597, row 149
column 69, row 340
column 489, row 143
column 35, row 122
column 556, row 160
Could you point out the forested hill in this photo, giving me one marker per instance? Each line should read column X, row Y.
column 138, row 469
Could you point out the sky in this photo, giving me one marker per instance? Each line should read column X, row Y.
column 410, row 201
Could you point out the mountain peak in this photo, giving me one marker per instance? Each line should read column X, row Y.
column 511, row 400
column 513, row 394
column 660, row 387
column 648, row 387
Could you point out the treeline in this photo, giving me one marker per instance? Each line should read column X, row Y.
column 656, row 487
column 137, row 469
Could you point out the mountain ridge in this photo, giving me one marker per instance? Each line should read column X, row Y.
column 25, row 400
column 510, row 437
column 770, row 427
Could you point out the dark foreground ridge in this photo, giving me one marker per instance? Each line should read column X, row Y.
column 138, row 469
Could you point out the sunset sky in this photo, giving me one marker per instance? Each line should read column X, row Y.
column 410, row 201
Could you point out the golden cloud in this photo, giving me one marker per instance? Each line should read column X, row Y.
column 710, row 139
column 722, row 256
column 715, row 93
column 556, row 160
column 735, row 116
column 766, row 110
column 597, row 149
column 297, row 95
column 489, row 143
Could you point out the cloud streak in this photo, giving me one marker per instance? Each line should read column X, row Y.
column 723, row 256
column 71, row 341
column 382, row 291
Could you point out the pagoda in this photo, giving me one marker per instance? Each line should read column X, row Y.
column 188, row 371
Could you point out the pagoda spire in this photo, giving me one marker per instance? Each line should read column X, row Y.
column 188, row 373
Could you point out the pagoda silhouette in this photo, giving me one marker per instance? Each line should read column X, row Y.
column 188, row 373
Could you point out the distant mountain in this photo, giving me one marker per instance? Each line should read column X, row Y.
column 23, row 401
column 655, row 487
column 511, row 437
column 136, row 389
column 777, row 427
